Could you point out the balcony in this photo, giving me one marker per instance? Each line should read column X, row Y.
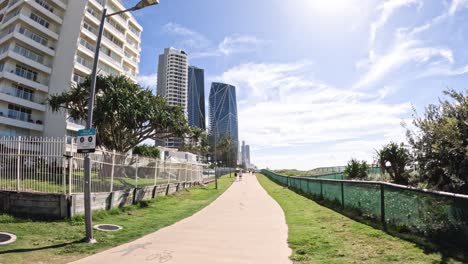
column 21, row 97
column 27, row 78
column 47, row 10
column 20, row 119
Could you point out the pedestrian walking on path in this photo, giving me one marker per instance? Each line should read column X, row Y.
column 244, row 225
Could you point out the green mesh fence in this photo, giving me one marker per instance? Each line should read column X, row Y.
column 435, row 215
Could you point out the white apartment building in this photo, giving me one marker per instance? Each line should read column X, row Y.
column 46, row 47
column 173, row 83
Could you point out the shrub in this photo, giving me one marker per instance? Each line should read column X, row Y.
column 356, row 169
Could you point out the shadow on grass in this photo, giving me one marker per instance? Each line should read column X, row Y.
column 429, row 246
column 22, row 250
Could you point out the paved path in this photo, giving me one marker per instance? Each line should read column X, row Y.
column 244, row 225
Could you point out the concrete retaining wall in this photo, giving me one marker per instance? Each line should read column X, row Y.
column 34, row 205
column 58, row 206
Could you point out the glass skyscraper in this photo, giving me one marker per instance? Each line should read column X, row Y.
column 223, row 113
column 196, row 97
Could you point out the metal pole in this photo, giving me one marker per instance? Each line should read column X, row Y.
column 342, row 195
column 89, row 123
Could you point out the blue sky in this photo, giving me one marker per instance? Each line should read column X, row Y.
column 318, row 82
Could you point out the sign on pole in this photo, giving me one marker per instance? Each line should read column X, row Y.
column 86, row 140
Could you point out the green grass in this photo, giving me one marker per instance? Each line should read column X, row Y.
column 61, row 241
column 320, row 235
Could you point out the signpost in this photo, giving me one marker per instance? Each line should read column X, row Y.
column 86, row 141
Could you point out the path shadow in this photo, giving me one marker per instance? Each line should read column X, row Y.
column 22, row 250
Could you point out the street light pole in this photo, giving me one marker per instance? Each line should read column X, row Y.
column 89, row 122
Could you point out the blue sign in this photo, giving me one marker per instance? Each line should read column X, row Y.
column 87, row 132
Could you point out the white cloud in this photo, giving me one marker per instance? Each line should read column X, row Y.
column 148, row 80
column 191, row 39
column 287, row 110
column 239, row 44
column 403, row 53
column 199, row 46
column 387, row 9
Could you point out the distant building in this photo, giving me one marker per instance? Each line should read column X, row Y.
column 245, row 155
column 196, row 97
column 223, row 113
column 173, row 83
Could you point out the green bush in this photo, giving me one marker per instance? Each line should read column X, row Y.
column 356, row 169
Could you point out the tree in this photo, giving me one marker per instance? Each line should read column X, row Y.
column 441, row 143
column 226, row 151
column 147, row 151
column 393, row 158
column 356, row 169
column 125, row 114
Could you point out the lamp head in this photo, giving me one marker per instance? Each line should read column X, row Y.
column 145, row 3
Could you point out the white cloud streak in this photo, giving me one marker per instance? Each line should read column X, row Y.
column 388, row 8
column 199, row 46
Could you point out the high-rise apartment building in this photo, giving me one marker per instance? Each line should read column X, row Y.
column 223, row 113
column 173, row 83
column 46, row 46
column 196, row 97
column 245, row 155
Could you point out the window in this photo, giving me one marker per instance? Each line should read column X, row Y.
column 24, row 93
column 89, row 28
column 19, row 112
column 40, row 20
column 33, row 36
column 28, row 53
column 26, row 73
column 45, row 5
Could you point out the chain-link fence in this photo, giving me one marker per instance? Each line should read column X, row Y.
column 436, row 215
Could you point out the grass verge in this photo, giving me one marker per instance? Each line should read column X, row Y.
column 61, row 241
column 320, row 235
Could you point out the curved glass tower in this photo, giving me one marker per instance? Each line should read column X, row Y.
column 223, row 113
column 196, row 97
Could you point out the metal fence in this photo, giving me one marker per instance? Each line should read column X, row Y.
column 51, row 165
column 436, row 215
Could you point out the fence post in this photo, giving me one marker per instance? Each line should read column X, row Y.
column 112, row 172
column 156, row 172
column 321, row 188
column 186, row 170
column 382, row 206
column 70, row 172
column 136, row 172
column 288, row 182
column 216, row 179
column 308, row 186
column 169, row 173
column 18, row 167
column 342, row 195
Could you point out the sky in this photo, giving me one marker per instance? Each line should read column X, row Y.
column 318, row 82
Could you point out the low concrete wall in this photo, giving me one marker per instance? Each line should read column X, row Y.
column 34, row 205
column 57, row 206
column 106, row 201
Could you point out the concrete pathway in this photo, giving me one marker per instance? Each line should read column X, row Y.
column 244, row 225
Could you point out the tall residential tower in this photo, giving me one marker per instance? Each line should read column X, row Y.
column 196, row 97
column 223, row 113
column 173, row 83
column 46, row 46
